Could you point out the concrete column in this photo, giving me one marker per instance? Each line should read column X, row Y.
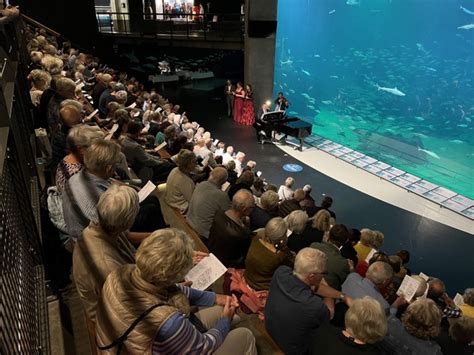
column 259, row 56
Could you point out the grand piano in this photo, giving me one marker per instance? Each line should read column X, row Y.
column 274, row 122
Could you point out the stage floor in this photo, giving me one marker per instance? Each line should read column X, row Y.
column 438, row 240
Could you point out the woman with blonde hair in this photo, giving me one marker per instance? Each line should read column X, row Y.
column 414, row 333
column 143, row 310
column 365, row 245
column 40, row 81
column 365, row 327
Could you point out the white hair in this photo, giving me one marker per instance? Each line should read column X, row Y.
column 117, row 209
column 309, row 261
column 275, row 230
column 379, row 272
column 297, row 221
column 289, row 181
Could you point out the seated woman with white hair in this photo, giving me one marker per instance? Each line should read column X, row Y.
column 285, row 191
column 103, row 246
column 365, row 326
column 145, row 299
column 267, row 252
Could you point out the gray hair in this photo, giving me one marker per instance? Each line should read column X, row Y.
column 185, row 160
column 101, row 155
column 121, row 97
column 469, row 296
column 165, row 257
column 71, row 102
column 322, row 221
column 275, row 230
column 82, row 136
column 117, row 209
column 269, row 200
column 367, row 236
column 422, row 286
column 65, row 87
column 242, row 200
column 366, row 320
column 297, row 221
column 379, row 272
column 378, row 240
column 309, row 261
column 289, row 181
column 218, row 176
column 422, row 319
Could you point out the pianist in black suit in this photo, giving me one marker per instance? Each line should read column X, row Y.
column 260, row 125
column 281, row 102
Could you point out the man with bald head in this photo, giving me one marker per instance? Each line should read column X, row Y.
column 230, row 237
column 288, row 206
column 69, row 116
column 206, row 201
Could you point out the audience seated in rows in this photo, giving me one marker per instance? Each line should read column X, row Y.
column 300, row 302
column 151, row 286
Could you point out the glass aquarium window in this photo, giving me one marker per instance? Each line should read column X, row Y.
column 391, row 79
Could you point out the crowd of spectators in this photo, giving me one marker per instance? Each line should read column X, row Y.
column 319, row 286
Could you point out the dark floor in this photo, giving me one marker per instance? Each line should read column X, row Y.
column 437, row 250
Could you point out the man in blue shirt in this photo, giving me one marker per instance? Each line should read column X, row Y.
column 293, row 311
column 379, row 275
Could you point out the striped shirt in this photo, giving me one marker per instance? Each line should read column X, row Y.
column 179, row 336
column 80, row 198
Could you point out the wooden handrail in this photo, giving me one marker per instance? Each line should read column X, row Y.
column 40, row 25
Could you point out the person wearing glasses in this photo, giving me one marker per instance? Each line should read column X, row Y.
column 300, row 301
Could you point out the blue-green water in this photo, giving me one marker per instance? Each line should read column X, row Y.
column 332, row 57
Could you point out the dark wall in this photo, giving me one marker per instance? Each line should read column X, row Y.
column 75, row 20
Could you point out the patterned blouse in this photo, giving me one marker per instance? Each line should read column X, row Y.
column 64, row 171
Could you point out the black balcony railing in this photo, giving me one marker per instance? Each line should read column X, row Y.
column 208, row 27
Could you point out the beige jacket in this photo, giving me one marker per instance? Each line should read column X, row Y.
column 95, row 256
column 179, row 189
column 124, row 298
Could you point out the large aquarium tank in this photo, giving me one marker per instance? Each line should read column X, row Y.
column 393, row 79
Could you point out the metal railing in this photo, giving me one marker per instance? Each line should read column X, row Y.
column 23, row 316
column 207, row 27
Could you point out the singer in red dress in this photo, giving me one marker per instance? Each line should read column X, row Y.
column 239, row 95
column 248, row 117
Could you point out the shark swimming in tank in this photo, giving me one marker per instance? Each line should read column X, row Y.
column 466, row 10
column 466, row 27
column 393, row 91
